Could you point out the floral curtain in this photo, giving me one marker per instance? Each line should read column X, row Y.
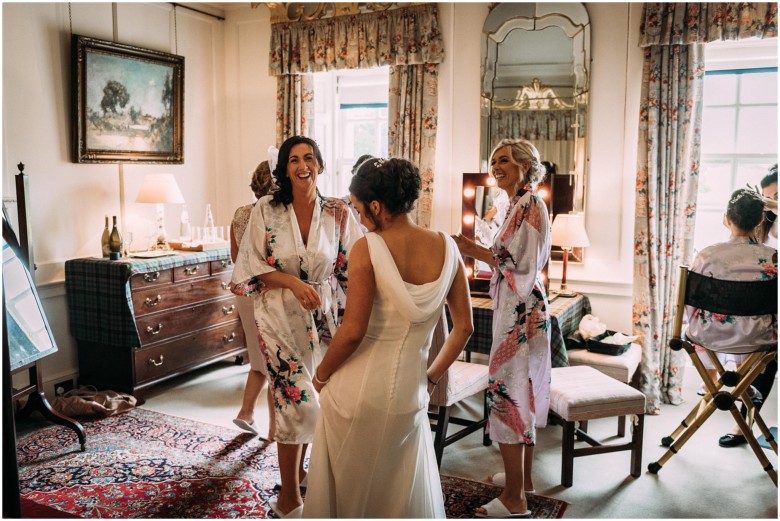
column 687, row 23
column 552, row 132
column 406, row 39
column 294, row 106
column 412, row 114
column 406, row 36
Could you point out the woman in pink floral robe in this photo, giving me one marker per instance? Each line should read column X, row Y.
column 520, row 363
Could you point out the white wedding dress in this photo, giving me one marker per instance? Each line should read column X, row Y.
column 372, row 454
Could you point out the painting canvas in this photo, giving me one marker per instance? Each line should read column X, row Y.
column 128, row 103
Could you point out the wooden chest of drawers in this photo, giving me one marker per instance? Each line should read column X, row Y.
column 138, row 322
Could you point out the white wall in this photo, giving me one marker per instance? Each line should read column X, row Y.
column 230, row 110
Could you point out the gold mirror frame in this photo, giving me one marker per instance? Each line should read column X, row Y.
column 541, row 91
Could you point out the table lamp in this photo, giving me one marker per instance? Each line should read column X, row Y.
column 568, row 231
column 160, row 189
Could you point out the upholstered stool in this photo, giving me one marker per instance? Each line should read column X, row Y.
column 581, row 393
column 622, row 368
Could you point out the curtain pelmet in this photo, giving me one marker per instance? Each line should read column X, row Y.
column 702, row 22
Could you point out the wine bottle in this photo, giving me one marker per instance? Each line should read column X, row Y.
column 104, row 240
column 185, row 230
column 115, row 242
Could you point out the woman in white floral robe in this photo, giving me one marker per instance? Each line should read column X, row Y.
column 293, row 257
column 520, row 359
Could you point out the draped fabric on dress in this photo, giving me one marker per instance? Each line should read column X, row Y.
column 373, row 451
column 292, row 338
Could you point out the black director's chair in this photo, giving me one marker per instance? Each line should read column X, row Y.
column 737, row 298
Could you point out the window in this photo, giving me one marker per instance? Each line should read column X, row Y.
column 350, row 120
column 739, row 128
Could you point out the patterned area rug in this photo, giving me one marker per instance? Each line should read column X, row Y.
column 144, row 464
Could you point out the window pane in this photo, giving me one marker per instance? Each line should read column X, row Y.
column 720, row 89
column 760, row 87
column 714, row 185
column 717, row 135
column 751, row 172
column 757, row 132
column 709, row 228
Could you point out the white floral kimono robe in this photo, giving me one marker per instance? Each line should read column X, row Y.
column 739, row 258
column 292, row 338
column 520, row 358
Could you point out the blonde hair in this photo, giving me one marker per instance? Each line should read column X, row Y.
column 262, row 182
column 523, row 151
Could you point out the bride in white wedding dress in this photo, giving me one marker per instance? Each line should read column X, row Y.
column 372, row 454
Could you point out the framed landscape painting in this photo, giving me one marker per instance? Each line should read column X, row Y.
column 128, row 103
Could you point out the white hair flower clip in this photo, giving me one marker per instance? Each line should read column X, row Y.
column 273, row 157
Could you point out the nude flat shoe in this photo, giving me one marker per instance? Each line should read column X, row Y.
column 499, row 479
column 295, row 513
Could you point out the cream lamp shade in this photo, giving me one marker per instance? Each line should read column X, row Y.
column 568, row 231
column 159, row 188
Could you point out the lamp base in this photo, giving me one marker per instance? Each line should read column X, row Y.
column 565, row 293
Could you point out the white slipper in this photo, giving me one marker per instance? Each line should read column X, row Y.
column 245, row 425
column 499, row 479
column 296, row 513
column 496, row 509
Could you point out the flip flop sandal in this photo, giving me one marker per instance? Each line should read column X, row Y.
column 296, row 513
column 495, row 509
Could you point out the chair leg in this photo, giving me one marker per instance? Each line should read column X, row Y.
column 636, row 445
column 486, row 441
column 567, row 454
column 621, row 426
column 442, row 421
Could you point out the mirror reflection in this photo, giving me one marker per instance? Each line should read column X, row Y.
column 535, row 72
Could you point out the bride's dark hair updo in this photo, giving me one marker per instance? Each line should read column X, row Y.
column 395, row 183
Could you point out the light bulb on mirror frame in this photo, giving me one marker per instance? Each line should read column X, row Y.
column 543, row 193
column 469, row 192
column 468, row 219
column 491, row 181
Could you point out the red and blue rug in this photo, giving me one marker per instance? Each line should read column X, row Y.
column 144, row 464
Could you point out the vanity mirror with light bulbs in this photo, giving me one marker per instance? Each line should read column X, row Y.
column 535, row 85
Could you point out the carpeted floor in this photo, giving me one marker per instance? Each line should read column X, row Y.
column 145, row 464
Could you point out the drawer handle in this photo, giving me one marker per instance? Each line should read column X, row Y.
column 226, row 263
column 229, row 310
column 191, row 271
column 225, row 285
column 154, row 362
column 152, row 303
column 150, row 329
column 151, row 277
column 229, row 338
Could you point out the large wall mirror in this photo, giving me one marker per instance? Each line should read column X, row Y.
column 535, row 83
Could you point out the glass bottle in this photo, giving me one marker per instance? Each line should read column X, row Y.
column 185, row 230
column 115, row 242
column 104, row 240
column 208, row 225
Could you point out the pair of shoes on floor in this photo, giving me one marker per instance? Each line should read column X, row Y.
column 732, row 440
column 499, row 479
column 497, row 509
column 250, row 427
column 303, row 485
column 296, row 513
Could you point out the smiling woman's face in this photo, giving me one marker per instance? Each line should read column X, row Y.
column 771, row 193
column 506, row 173
column 302, row 167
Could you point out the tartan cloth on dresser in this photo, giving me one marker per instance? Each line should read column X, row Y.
column 99, row 298
column 565, row 316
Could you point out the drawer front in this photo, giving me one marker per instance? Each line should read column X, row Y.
column 192, row 271
column 167, row 358
column 151, row 279
column 175, row 295
column 158, row 327
column 220, row 266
